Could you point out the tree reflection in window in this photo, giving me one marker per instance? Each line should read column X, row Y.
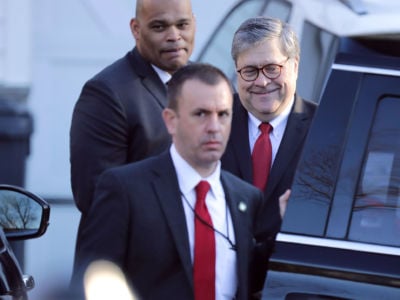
column 376, row 211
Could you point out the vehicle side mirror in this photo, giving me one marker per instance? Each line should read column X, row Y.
column 23, row 215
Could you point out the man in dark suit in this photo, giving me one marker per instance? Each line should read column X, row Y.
column 145, row 215
column 117, row 118
column 266, row 54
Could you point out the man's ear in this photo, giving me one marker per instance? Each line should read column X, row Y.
column 134, row 25
column 195, row 21
column 296, row 66
column 170, row 118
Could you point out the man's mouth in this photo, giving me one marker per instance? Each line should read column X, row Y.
column 264, row 91
column 173, row 50
column 212, row 144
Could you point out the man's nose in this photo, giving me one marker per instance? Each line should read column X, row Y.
column 213, row 123
column 261, row 79
column 173, row 33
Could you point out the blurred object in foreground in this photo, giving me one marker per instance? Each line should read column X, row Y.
column 105, row 280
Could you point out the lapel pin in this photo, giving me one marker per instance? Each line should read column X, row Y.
column 242, row 206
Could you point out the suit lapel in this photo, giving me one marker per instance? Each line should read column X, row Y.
column 295, row 132
column 240, row 140
column 233, row 199
column 150, row 79
column 157, row 88
column 166, row 187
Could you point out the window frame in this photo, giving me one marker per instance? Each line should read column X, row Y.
column 345, row 117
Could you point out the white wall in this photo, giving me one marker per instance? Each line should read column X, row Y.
column 71, row 41
column 15, row 43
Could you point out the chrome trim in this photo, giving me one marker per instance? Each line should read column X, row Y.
column 29, row 282
column 371, row 70
column 339, row 244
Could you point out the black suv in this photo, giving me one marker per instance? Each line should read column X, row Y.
column 340, row 237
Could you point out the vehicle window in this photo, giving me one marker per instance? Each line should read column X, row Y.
column 218, row 49
column 376, row 210
column 314, row 184
column 318, row 50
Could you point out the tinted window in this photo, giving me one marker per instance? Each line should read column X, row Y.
column 348, row 179
column 376, row 210
column 315, row 180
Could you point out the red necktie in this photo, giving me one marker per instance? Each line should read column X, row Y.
column 204, row 247
column 262, row 157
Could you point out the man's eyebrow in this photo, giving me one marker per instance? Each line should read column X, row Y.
column 164, row 21
column 200, row 109
column 184, row 20
column 158, row 21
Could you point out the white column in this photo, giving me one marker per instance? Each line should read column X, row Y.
column 15, row 43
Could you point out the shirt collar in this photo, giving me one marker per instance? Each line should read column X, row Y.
column 188, row 177
column 164, row 76
column 278, row 123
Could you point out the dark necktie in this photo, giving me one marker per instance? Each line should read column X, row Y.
column 262, row 157
column 204, row 247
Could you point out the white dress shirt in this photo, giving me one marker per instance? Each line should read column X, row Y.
column 226, row 267
column 164, row 76
column 278, row 124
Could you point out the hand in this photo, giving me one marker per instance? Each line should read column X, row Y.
column 283, row 201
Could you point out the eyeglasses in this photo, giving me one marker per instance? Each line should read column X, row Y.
column 271, row 71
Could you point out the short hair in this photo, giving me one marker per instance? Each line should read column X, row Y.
column 256, row 30
column 203, row 72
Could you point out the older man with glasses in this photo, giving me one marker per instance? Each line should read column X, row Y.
column 270, row 121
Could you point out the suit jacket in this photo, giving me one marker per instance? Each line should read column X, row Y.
column 137, row 221
column 116, row 120
column 237, row 157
